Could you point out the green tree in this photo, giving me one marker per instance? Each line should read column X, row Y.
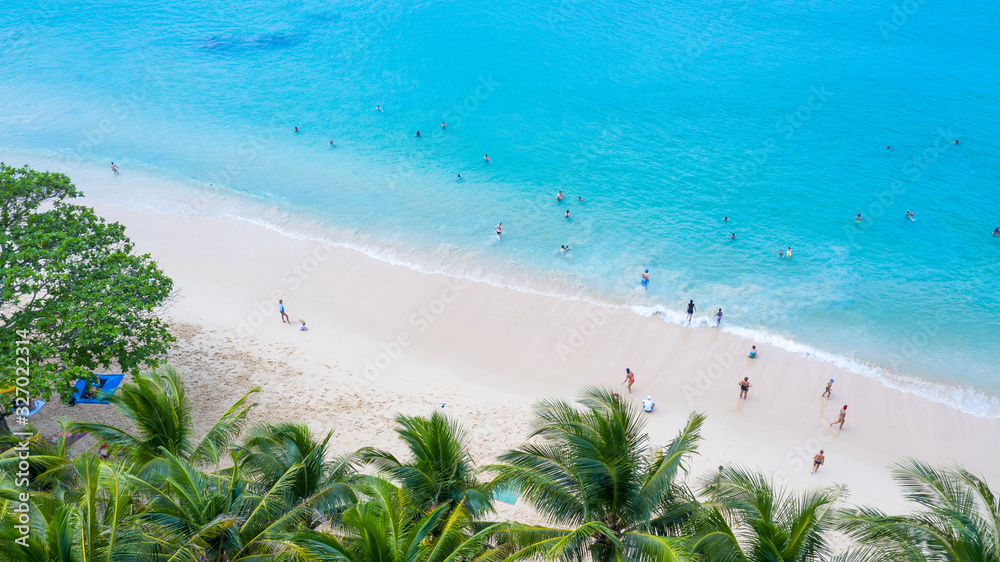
column 748, row 518
column 156, row 402
column 389, row 526
column 71, row 287
column 270, row 451
column 958, row 519
column 440, row 470
column 592, row 470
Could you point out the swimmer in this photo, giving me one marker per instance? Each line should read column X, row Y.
column 567, row 213
column 459, row 177
column 296, row 129
column 559, row 196
column 645, row 279
column 691, row 310
column 499, row 229
column 115, row 170
column 725, row 219
column 857, row 218
column 789, row 252
column 579, row 198
column 378, row 108
column 826, row 392
column 996, row 232
column 418, row 133
column 718, row 318
column 888, row 147
column 563, row 249
column 487, row 159
column 733, row 237
column 909, row 215
column 331, row 142
column 444, row 125
column 780, row 253
column 956, row 141
column 818, row 461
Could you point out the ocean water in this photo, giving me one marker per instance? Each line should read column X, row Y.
column 666, row 117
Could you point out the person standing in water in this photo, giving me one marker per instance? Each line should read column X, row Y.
column 443, row 125
column 996, row 231
column 857, row 218
column 115, row 170
column 567, row 213
column 909, row 215
column 629, row 378
column 487, row 159
column 645, row 279
column 418, row 133
column 459, row 177
column 559, row 196
column 499, row 228
column 789, row 252
column 818, row 461
column 744, row 387
column 840, row 420
column 829, row 387
column 691, row 310
column 718, row 318
column 378, row 108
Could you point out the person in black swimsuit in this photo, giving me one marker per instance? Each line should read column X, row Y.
column 744, row 387
column 691, row 310
column 818, row 461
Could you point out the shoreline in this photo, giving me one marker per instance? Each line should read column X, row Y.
column 138, row 192
column 384, row 338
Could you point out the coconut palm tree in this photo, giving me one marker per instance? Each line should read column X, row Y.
column 748, row 518
column 156, row 402
column 196, row 516
column 440, row 470
column 85, row 518
column 269, row 451
column 591, row 470
column 389, row 526
column 959, row 519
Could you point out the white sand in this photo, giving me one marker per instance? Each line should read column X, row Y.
column 384, row 339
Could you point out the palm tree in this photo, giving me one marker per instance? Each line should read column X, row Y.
column 191, row 515
column 748, row 518
column 269, row 451
column 440, row 471
column 591, row 470
column 959, row 520
column 85, row 518
column 389, row 526
column 156, row 401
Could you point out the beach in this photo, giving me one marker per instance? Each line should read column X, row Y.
column 384, row 339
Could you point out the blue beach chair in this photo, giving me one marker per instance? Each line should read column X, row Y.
column 106, row 386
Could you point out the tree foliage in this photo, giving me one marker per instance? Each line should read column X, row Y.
column 71, row 286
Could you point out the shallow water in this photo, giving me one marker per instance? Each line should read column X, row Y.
column 665, row 118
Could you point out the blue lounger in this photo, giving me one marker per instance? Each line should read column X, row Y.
column 505, row 495
column 105, row 383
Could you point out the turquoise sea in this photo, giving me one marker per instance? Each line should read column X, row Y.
column 665, row 117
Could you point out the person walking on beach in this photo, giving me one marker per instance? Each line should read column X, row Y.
column 718, row 318
column 629, row 378
column 818, row 461
column 115, row 170
column 744, row 387
column 281, row 309
column 826, row 393
column 840, row 420
column 691, row 310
